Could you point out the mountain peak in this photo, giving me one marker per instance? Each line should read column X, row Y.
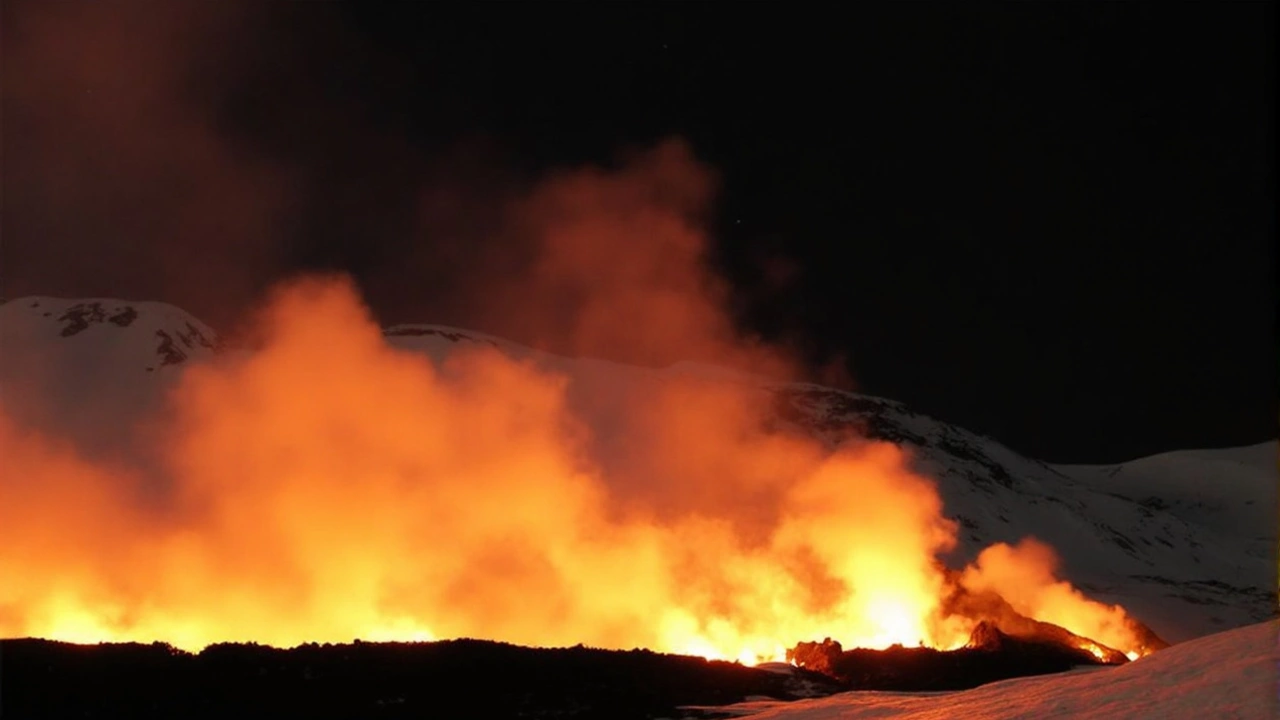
column 152, row 335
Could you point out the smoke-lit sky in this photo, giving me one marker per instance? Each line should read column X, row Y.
column 1051, row 223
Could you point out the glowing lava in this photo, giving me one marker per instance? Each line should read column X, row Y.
column 1095, row 651
column 328, row 487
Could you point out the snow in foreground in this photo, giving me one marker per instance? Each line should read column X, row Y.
column 1228, row 675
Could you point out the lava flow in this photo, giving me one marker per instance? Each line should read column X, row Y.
column 328, row 486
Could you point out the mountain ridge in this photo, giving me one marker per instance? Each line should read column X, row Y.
column 1179, row 539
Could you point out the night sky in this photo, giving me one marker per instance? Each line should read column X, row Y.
column 1051, row 223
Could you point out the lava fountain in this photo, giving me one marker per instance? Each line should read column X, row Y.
column 328, row 486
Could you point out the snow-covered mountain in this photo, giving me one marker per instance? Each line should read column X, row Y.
column 1186, row 541
column 85, row 367
column 175, row 335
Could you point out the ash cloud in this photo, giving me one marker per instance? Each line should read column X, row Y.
column 329, row 486
column 326, row 485
column 118, row 181
column 194, row 153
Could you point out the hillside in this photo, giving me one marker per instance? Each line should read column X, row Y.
column 1185, row 540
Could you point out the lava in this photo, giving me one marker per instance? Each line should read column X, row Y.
column 329, row 487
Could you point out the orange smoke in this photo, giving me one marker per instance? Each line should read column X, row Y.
column 328, row 486
column 1024, row 575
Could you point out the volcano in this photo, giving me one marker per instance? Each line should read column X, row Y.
column 337, row 480
column 1183, row 540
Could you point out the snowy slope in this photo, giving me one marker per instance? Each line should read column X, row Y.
column 1229, row 492
column 1231, row 674
column 1230, row 497
column 1176, row 570
column 1186, row 541
column 80, row 367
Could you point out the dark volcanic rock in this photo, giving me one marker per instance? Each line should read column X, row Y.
column 124, row 317
column 454, row 679
column 80, row 316
column 990, row 656
column 1004, row 644
column 168, row 350
column 451, row 336
column 991, row 609
column 819, row 657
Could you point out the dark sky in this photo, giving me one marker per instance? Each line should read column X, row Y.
column 1051, row 223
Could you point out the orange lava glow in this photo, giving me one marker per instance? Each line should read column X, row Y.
column 328, row 487
column 1095, row 651
column 1024, row 575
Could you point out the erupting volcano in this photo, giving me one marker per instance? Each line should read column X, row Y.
column 328, row 484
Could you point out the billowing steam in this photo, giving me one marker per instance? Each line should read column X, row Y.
column 327, row 486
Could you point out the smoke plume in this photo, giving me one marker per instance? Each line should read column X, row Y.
column 328, row 486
